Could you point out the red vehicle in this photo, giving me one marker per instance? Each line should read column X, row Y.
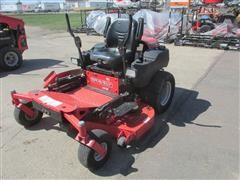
column 212, row 1
column 114, row 95
column 13, row 42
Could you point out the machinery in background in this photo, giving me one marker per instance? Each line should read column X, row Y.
column 13, row 42
column 213, row 25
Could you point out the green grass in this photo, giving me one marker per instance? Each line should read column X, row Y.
column 50, row 21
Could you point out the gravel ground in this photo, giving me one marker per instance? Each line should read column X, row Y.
column 200, row 138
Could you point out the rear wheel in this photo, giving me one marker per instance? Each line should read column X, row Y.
column 91, row 159
column 25, row 120
column 159, row 93
column 205, row 28
column 10, row 58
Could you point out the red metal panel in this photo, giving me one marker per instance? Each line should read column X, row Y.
column 90, row 98
column 137, row 124
column 132, row 125
column 12, row 22
column 81, row 98
column 22, row 38
column 212, row 1
column 103, row 82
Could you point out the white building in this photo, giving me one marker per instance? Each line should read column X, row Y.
column 27, row 6
column 76, row 4
column 9, row 8
column 100, row 3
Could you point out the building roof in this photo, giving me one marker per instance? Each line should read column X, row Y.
column 101, row 1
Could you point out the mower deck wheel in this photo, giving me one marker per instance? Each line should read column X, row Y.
column 88, row 157
column 10, row 58
column 23, row 119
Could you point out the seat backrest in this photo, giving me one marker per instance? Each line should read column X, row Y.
column 118, row 31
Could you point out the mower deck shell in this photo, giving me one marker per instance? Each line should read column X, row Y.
column 81, row 98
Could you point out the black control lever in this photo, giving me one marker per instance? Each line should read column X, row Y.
column 77, row 41
column 69, row 25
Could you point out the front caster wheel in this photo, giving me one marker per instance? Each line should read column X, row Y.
column 88, row 157
column 25, row 120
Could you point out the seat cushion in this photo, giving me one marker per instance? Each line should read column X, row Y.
column 109, row 58
column 99, row 45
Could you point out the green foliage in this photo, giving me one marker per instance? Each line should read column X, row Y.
column 50, row 21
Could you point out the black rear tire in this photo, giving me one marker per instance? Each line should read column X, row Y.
column 88, row 157
column 10, row 58
column 23, row 119
column 159, row 93
column 205, row 28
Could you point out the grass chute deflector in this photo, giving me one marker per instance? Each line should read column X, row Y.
column 112, row 97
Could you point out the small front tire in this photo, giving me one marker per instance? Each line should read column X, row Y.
column 23, row 119
column 88, row 157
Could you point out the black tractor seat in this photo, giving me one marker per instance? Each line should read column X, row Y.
column 107, row 55
column 109, row 58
